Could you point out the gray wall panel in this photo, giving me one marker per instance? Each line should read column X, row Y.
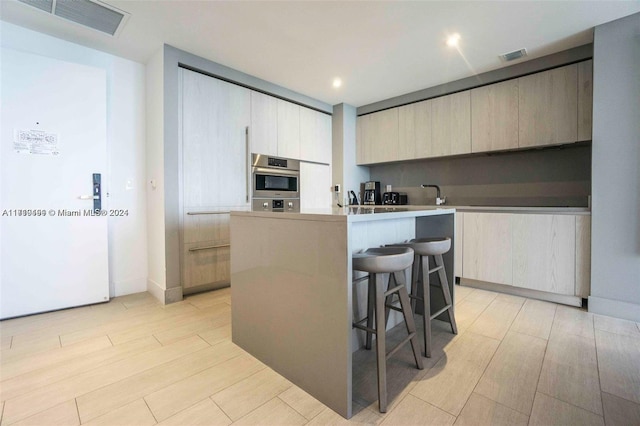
column 615, row 272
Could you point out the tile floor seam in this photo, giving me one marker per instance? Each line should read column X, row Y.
column 148, row 408
column 482, row 375
column 110, row 341
column 77, row 410
column 595, row 347
column 620, row 397
column 210, row 397
column 144, row 371
column 573, row 405
column 294, row 408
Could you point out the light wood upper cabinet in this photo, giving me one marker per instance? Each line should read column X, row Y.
column 315, row 136
column 215, row 115
column 288, row 129
column 494, row 117
column 378, row 137
column 487, row 253
column 451, row 124
column 548, row 107
column 264, row 124
column 585, row 100
column 544, row 252
column 414, row 131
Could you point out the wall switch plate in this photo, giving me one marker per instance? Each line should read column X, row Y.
column 336, row 188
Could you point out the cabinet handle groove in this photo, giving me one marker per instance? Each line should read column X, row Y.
column 209, row 247
column 247, row 161
column 197, row 213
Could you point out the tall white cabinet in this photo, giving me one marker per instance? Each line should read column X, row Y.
column 215, row 119
column 221, row 125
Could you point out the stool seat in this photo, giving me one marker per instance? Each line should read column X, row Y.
column 429, row 246
column 383, row 259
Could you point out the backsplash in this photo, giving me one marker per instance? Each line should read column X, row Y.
column 554, row 177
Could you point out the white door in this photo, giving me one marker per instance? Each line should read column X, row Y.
column 315, row 186
column 53, row 135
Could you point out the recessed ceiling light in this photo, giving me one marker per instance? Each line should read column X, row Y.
column 453, row 40
column 337, row 83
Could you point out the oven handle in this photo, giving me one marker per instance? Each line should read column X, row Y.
column 275, row 172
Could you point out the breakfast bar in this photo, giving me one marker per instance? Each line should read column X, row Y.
column 293, row 291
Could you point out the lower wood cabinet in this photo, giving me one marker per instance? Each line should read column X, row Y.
column 487, row 253
column 457, row 244
column 206, row 249
column 544, row 252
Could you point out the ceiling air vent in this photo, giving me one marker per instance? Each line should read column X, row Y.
column 90, row 13
column 516, row 54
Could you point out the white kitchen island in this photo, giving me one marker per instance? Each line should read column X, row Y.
column 292, row 287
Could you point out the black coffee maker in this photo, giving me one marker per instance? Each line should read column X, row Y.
column 372, row 193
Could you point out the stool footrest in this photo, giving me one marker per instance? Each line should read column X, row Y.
column 393, row 290
column 440, row 311
column 399, row 345
column 436, row 269
column 394, row 307
column 364, row 327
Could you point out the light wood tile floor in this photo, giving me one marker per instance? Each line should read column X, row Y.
column 133, row 361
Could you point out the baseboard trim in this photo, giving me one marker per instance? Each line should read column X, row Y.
column 166, row 296
column 614, row 308
column 524, row 292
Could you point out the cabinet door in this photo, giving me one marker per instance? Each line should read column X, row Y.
column 315, row 136
column 585, row 99
column 315, row 186
column 264, row 124
column 494, row 117
column 215, row 115
column 451, row 130
column 544, row 252
column 377, row 137
column 205, row 265
column 548, row 107
column 414, row 131
column 288, row 129
column 487, row 247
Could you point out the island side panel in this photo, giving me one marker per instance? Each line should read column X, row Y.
column 439, row 226
column 291, row 302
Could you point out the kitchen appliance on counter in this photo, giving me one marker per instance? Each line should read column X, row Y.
column 276, row 183
column 395, row 198
column 372, row 193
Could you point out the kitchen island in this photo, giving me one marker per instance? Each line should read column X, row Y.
column 293, row 291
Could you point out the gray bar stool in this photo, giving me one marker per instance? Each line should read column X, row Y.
column 380, row 263
column 423, row 248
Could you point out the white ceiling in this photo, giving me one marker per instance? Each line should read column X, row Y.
column 378, row 49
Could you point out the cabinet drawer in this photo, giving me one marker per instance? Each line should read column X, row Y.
column 206, row 264
column 205, row 225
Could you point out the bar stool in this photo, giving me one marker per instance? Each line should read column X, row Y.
column 423, row 248
column 380, row 263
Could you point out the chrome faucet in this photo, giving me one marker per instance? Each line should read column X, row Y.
column 439, row 201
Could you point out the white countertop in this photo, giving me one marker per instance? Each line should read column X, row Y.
column 354, row 213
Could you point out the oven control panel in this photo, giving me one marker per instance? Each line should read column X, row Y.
column 276, row 205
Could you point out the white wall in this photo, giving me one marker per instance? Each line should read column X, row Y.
column 157, row 283
column 615, row 217
column 125, row 145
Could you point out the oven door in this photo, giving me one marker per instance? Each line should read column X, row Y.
column 275, row 183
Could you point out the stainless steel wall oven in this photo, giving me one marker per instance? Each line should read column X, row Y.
column 275, row 183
